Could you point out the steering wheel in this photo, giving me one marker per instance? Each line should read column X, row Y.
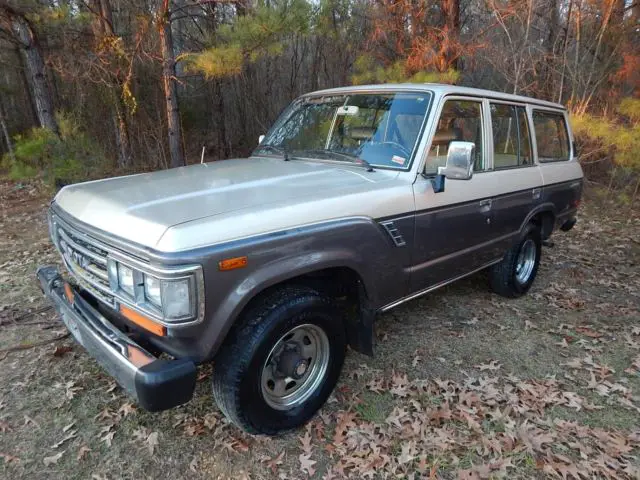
column 399, row 146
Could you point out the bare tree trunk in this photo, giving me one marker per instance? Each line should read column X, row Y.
column 35, row 69
column 221, row 120
column 564, row 52
column 122, row 136
column 451, row 13
column 169, row 85
column 104, row 28
column 5, row 133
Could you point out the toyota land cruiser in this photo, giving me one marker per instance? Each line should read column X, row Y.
column 357, row 200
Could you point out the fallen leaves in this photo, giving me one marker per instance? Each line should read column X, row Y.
column 71, row 435
column 62, row 350
column 30, row 421
column 9, row 459
column 107, row 433
column 82, row 452
column 494, row 417
column 152, row 442
column 493, row 365
column 53, row 459
column 306, row 463
column 127, row 409
column 273, row 463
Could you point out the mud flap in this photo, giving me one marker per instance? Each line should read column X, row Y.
column 360, row 326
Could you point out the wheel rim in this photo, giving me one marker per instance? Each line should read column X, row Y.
column 295, row 367
column 526, row 261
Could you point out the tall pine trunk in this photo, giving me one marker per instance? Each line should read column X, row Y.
column 103, row 28
column 5, row 134
column 34, row 67
column 174, row 129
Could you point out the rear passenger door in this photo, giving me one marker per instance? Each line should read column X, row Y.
column 513, row 170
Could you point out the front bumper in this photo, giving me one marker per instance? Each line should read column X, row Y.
column 156, row 384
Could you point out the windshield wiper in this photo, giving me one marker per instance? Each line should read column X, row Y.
column 274, row 148
column 350, row 157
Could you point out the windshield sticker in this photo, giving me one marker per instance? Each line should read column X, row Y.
column 398, row 160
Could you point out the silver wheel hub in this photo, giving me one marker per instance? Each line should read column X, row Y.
column 526, row 261
column 301, row 368
column 295, row 367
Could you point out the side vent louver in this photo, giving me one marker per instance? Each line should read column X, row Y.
column 395, row 235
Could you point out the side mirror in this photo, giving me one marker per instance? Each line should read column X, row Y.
column 260, row 138
column 460, row 158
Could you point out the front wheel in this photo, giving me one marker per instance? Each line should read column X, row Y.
column 282, row 362
column 514, row 275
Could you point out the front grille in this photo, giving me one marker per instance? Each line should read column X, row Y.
column 85, row 259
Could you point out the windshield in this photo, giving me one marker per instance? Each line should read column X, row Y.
column 377, row 129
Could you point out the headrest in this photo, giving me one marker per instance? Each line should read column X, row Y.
column 445, row 136
column 361, row 133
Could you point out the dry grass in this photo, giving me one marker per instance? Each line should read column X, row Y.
column 464, row 384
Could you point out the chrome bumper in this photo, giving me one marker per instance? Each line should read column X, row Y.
column 155, row 384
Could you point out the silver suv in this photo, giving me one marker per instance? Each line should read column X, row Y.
column 357, row 200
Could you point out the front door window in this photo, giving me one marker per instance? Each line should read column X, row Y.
column 460, row 120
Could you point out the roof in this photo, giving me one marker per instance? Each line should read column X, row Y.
column 440, row 89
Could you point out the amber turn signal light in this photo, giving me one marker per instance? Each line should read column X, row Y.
column 232, row 263
column 68, row 292
column 143, row 321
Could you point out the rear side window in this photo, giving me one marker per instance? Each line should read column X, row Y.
column 511, row 142
column 552, row 138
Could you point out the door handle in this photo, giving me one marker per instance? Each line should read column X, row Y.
column 486, row 204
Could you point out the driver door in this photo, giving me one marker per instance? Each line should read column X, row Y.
column 453, row 229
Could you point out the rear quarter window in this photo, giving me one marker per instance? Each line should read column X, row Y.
column 552, row 138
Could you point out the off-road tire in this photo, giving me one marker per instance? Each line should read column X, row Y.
column 503, row 275
column 238, row 365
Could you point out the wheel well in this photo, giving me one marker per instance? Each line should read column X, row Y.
column 545, row 220
column 346, row 287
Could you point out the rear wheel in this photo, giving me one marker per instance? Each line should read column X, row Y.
column 281, row 363
column 514, row 275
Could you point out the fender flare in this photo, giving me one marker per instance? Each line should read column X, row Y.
column 275, row 273
column 546, row 207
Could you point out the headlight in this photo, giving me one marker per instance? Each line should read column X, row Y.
column 152, row 290
column 176, row 299
column 125, row 278
column 162, row 297
column 172, row 297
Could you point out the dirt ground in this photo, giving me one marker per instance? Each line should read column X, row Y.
column 465, row 384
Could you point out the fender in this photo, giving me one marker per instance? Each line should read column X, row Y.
column 359, row 244
column 546, row 207
column 272, row 274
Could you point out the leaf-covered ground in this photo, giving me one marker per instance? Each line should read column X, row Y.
column 465, row 384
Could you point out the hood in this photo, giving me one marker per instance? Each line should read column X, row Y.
column 141, row 208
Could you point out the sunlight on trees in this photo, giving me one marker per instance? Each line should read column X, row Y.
column 261, row 33
column 148, row 80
